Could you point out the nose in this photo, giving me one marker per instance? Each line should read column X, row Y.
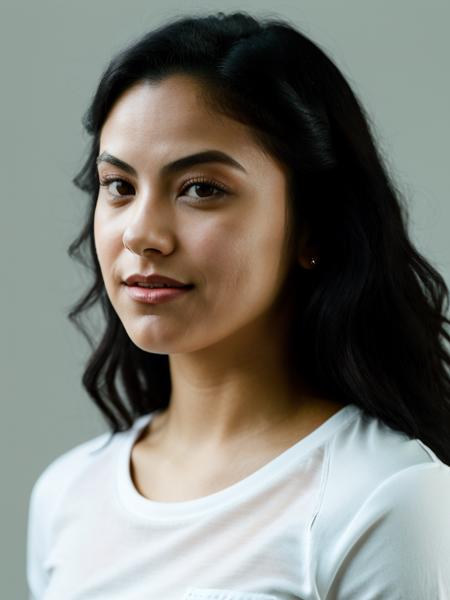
column 148, row 227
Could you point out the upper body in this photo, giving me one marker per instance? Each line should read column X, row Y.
column 352, row 510
column 284, row 175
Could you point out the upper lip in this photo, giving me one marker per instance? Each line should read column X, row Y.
column 153, row 278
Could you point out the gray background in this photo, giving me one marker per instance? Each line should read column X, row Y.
column 395, row 54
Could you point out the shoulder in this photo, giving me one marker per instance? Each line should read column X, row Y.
column 47, row 495
column 413, row 505
column 384, row 515
column 55, row 480
column 63, row 468
column 367, row 456
column 364, row 455
column 397, row 543
column 67, row 468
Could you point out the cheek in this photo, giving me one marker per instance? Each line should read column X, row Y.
column 107, row 243
column 222, row 256
column 242, row 257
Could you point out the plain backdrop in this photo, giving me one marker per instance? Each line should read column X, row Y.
column 395, row 54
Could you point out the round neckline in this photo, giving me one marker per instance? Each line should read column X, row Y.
column 275, row 468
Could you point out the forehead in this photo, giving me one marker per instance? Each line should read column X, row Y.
column 169, row 118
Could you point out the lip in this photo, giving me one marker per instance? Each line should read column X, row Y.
column 155, row 278
column 155, row 295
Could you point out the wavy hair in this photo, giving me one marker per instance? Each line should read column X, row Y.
column 367, row 326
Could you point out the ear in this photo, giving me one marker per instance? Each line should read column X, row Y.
column 307, row 248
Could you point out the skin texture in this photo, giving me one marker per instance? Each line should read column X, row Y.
column 229, row 386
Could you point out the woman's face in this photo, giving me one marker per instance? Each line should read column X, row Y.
column 228, row 244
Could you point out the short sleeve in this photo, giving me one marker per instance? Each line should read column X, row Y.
column 46, row 498
column 38, row 530
column 397, row 546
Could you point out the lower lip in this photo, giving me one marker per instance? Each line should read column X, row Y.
column 155, row 295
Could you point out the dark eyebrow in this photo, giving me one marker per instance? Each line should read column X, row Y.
column 207, row 156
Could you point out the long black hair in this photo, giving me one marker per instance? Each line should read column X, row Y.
column 367, row 325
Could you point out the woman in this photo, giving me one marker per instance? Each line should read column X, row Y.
column 280, row 413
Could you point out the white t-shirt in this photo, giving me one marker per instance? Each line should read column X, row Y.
column 353, row 511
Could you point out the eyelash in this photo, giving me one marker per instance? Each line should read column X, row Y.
column 187, row 184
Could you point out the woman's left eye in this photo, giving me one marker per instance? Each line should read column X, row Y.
column 209, row 185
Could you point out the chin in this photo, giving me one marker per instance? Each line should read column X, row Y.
column 150, row 342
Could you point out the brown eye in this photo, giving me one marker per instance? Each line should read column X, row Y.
column 204, row 188
column 120, row 186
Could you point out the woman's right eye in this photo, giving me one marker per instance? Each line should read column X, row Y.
column 107, row 183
